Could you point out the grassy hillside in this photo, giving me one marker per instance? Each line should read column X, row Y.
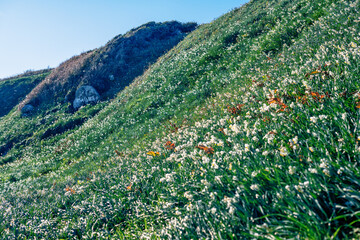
column 109, row 68
column 13, row 90
column 247, row 129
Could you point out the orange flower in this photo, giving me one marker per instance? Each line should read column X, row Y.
column 279, row 102
column 68, row 189
column 169, row 145
column 208, row 150
column 152, row 153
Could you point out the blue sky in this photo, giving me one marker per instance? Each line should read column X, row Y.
column 36, row 34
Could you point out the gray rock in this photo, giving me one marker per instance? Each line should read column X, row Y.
column 27, row 110
column 85, row 95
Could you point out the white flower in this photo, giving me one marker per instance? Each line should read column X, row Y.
column 313, row 119
column 205, row 159
column 247, row 147
column 292, row 170
column 322, row 117
column 343, row 116
column 284, row 152
column 231, row 210
column 235, row 128
column 254, row 187
column 188, row 195
column 312, row 170
column 326, row 172
column 213, row 210
column 340, row 170
column 214, row 165
column 265, row 153
column 177, row 212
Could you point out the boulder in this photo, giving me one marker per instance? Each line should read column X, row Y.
column 27, row 110
column 85, row 95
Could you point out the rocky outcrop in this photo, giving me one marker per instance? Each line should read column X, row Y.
column 27, row 110
column 85, row 95
column 111, row 68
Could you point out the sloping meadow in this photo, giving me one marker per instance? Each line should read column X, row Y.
column 249, row 128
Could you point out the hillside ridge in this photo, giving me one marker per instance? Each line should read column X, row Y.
column 109, row 68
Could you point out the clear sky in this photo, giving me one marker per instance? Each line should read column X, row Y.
column 36, row 34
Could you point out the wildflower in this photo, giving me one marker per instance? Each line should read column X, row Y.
column 313, row 119
column 231, row 210
column 188, row 195
column 218, row 179
column 352, row 44
column 152, row 153
column 247, row 147
column 343, row 116
column 177, row 212
column 299, row 188
column 323, row 163
column 292, row 170
column 322, row 117
column 312, row 170
column 255, row 173
column 284, row 152
column 205, row 159
column 213, row 210
column 311, row 149
column 189, row 207
column 235, row 128
column 340, row 170
column 326, row 172
column 254, row 187
column 265, row 153
column 168, row 178
column 214, row 165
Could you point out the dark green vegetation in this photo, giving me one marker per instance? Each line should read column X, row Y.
column 247, row 129
column 13, row 90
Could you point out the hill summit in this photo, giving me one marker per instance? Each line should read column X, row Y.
column 110, row 68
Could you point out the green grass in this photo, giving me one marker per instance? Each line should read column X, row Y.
column 261, row 106
column 13, row 90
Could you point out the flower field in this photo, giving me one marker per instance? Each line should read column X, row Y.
column 247, row 129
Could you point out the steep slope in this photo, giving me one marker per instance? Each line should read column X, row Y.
column 13, row 90
column 108, row 69
column 249, row 128
column 112, row 67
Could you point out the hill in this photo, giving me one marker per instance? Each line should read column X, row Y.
column 247, row 129
column 13, row 90
column 111, row 67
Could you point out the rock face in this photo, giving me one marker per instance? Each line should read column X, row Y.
column 110, row 68
column 27, row 110
column 85, row 95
